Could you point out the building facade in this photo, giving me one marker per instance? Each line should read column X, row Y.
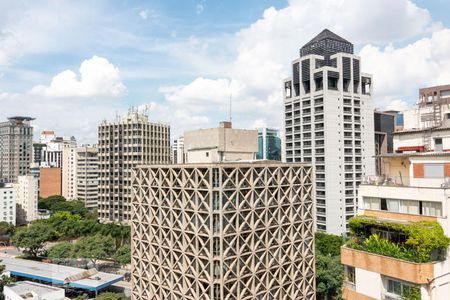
column 16, row 148
column 223, row 231
column 384, row 136
column 69, row 173
column 329, row 121
column 269, row 144
column 220, row 144
column 178, row 151
column 50, row 182
column 409, row 203
column 52, row 153
column 87, row 176
column 27, row 195
column 123, row 145
column 7, row 203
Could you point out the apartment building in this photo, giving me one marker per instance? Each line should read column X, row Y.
column 123, row 145
column 223, row 143
column 16, row 142
column 178, row 151
column 269, row 144
column 52, row 153
column 384, row 126
column 399, row 241
column 69, row 173
column 87, row 175
column 50, row 182
column 7, row 203
column 233, row 230
column 27, row 194
column 329, row 122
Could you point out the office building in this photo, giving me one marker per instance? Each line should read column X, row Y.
column 69, row 173
column 329, row 122
column 234, row 230
column 87, row 176
column 178, row 151
column 122, row 145
column 398, row 243
column 16, row 142
column 269, row 144
column 29, row 290
column 52, row 153
column 27, row 195
column 220, row 144
column 7, row 203
column 385, row 124
column 50, row 182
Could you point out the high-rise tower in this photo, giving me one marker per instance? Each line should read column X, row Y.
column 122, row 145
column 16, row 148
column 329, row 122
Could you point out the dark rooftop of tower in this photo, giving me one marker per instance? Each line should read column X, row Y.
column 326, row 43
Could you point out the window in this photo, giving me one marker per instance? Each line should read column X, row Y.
column 207, row 154
column 349, row 274
column 398, row 288
column 433, row 170
column 371, row 203
column 431, row 208
column 409, row 207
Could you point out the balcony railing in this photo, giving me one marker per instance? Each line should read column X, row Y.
column 385, row 180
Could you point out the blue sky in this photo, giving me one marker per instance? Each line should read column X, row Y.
column 72, row 64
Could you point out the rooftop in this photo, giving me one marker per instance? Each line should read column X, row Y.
column 326, row 42
column 26, row 289
column 236, row 163
column 414, row 154
column 74, row 277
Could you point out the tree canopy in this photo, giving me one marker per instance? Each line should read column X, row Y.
column 123, row 255
column 111, row 296
column 94, row 248
column 59, row 203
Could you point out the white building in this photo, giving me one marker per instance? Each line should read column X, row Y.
column 27, row 191
column 220, row 144
column 69, row 173
column 414, row 188
column 329, row 122
column 178, row 151
column 52, row 153
column 32, row 291
column 7, row 204
column 87, row 175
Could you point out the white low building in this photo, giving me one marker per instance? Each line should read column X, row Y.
column 7, row 204
column 414, row 188
column 32, row 291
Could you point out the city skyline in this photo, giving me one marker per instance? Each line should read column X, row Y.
column 185, row 60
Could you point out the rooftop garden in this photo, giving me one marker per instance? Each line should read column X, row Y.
column 418, row 242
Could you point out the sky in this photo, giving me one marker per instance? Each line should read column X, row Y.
column 73, row 64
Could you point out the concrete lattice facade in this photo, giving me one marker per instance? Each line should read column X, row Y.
column 223, row 231
column 123, row 145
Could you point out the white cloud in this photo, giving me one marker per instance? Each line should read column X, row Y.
column 144, row 14
column 199, row 8
column 398, row 105
column 265, row 49
column 98, row 77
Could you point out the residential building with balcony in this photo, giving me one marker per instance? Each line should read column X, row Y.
column 27, row 194
column 223, row 231
column 7, row 203
column 122, row 145
column 399, row 241
column 329, row 122
column 177, row 154
column 87, row 175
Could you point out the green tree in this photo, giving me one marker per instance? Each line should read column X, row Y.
column 6, row 228
column 123, row 255
column 95, row 248
column 66, row 224
column 75, row 207
column 4, row 280
column 111, row 296
column 32, row 238
column 47, row 203
column 329, row 271
column 61, row 251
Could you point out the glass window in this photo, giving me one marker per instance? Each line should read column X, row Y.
column 431, row 208
column 433, row 170
column 349, row 274
column 393, row 205
column 394, row 287
column 409, row 207
column 371, row 203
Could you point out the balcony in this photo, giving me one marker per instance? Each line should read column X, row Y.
column 418, row 273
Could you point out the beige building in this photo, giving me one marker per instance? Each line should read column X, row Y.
column 220, row 144
column 69, row 173
column 16, row 148
column 87, row 176
column 7, row 203
column 27, row 192
column 122, row 145
column 222, row 231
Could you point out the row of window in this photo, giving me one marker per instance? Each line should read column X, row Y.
column 426, row 208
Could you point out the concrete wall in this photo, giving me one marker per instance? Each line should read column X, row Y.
column 50, row 182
